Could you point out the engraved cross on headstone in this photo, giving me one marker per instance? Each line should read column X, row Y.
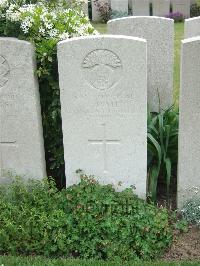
column 105, row 142
column 4, row 143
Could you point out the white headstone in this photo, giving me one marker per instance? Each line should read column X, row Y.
column 192, row 27
column 85, row 7
column 161, row 8
column 120, row 6
column 189, row 131
column 140, row 7
column 181, row 6
column 159, row 33
column 104, row 105
column 21, row 137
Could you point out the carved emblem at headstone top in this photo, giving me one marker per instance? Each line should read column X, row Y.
column 102, row 69
column 4, row 71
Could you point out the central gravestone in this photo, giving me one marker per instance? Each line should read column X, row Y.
column 104, row 109
column 21, row 138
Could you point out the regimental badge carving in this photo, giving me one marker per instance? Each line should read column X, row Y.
column 103, row 69
column 4, row 71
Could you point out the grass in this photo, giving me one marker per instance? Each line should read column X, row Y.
column 179, row 31
column 40, row 261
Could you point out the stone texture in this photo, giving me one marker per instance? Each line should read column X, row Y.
column 104, row 110
column 21, row 138
column 159, row 33
column 192, row 27
column 140, row 7
column 161, row 8
column 120, row 6
column 189, row 131
column 85, row 7
column 182, row 6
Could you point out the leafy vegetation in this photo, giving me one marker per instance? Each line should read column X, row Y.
column 162, row 148
column 84, row 221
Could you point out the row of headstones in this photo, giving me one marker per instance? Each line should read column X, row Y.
column 104, row 106
column 161, row 8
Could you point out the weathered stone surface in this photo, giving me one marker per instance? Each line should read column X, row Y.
column 161, row 8
column 21, row 138
column 104, row 105
column 189, row 132
column 182, row 6
column 192, row 27
column 159, row 33
column 120, row 6
column 85, row 7
column 140, row 7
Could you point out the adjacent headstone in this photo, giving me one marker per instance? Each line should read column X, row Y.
column 159, row 33
column 104, row 105
column 140, row 7
column 21, row 138
column 189, row 131
column 181, row 6
column 192, row 27
column 120, row 6
column 161, row 8
column 85, row 7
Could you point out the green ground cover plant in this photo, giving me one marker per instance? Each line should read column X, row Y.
column 87, row 221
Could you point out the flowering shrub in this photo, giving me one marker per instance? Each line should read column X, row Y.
column 45, row 23
column 104, row 9
column 177, row 16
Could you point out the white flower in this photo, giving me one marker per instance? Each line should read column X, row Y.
column 53, row 33
column 3, row 3
column 64, row 36
column 41, row 30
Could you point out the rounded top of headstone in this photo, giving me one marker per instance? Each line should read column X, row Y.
column 101, row 37
column 149, row 18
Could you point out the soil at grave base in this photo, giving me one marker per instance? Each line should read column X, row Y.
column 185, row 246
